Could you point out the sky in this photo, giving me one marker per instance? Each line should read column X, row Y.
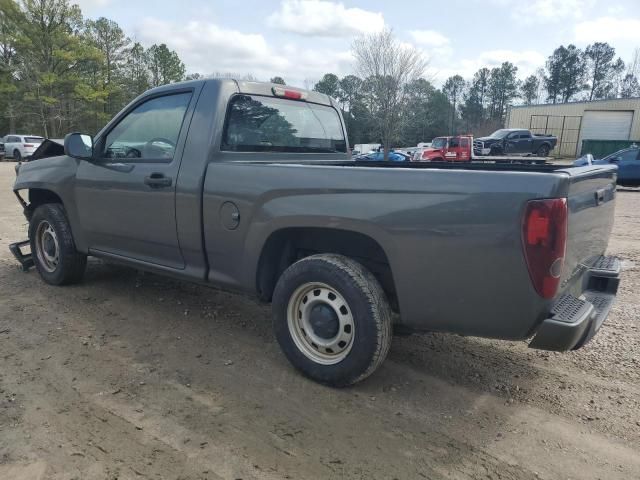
column 300, row 40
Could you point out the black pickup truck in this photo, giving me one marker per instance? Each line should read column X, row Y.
column 509, row 141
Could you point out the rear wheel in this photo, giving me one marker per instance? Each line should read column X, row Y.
column 332, row 319
column 17, row 156
column 52, row 247
column 543, row 151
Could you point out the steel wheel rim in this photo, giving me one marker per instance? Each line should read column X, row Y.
column 47, row 247
column 322, row 350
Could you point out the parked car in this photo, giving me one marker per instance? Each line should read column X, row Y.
column 2, row 152
column 21, row 146
column 365, row 148
column 627, row 161
column 336, row 245
column 379, row 156
column 514, row 141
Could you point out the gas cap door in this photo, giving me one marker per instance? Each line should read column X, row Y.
column 229, row 215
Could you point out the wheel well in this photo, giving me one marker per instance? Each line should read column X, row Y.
column 289, row 245
column 39, row 196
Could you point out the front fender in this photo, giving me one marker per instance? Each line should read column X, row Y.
column 56, row 175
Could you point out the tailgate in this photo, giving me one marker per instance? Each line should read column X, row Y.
column 591, row 203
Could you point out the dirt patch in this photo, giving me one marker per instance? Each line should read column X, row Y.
column 139, row 376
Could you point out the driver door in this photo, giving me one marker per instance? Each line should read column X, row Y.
column 125, row 196
column 512, row 143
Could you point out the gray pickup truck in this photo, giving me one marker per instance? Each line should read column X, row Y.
column 250, row 187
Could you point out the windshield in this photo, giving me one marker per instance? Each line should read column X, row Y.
column 440, row 142
column 265, row 124
column 500, row 133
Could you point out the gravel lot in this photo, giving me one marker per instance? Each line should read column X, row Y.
column 131, row 376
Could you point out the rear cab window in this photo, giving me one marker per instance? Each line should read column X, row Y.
column 257, row 123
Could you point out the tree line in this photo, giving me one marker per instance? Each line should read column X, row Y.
column 479, row 105
column 60, row 72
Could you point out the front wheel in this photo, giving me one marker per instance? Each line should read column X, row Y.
column 52, row 247
column 332, row 319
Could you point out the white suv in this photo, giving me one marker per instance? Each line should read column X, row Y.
column 21, row 146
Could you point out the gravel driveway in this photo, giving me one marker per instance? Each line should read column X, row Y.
column 131, row 376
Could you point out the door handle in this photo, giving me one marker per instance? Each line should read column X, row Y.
column 157, row 180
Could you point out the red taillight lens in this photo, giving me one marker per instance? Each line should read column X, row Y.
column 27, row 145
column 544, row 239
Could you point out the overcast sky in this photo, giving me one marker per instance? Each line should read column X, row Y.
column 303, row 39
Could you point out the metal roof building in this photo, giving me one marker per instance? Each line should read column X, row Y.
column 573, row 122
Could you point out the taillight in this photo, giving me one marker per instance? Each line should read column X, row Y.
column 288, row 93
column 27, row 145
column 544, row 239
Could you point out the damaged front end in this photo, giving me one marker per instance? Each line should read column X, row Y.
column 18, row 248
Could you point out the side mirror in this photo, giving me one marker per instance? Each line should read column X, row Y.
column 615, row 160
column 78, row 145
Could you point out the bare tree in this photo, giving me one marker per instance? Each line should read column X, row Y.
column 633, row 66
column 388, row 66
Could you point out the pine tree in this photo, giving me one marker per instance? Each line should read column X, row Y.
column 529, row 89
column 601, row 69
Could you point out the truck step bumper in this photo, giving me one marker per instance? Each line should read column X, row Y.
column 574, row 321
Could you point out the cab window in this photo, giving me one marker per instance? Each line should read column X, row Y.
column 150, row 131
column 264, row 124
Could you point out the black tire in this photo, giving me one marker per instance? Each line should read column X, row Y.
column 71, row 264
column 17, row 156
column 543, row 151
column 365, row 302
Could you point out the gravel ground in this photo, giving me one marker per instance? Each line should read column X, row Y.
column 131, row 376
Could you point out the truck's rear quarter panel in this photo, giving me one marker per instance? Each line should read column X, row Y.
column 452, row 237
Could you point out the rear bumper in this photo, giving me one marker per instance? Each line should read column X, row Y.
column 575, row 320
